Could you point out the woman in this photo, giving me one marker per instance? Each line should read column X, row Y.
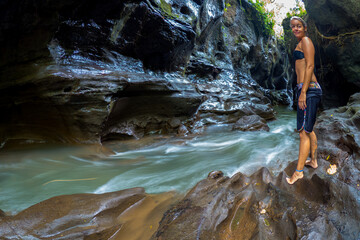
column 308, row 94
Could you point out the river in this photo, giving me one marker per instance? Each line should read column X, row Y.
column 29, row 175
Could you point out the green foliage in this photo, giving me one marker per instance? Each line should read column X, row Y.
column 281, row 39
column 266, row 222
column 299, row 11
column 166, row 9
column 240, row 39
column 227, row 5
column 193, row 19
column 266, row 19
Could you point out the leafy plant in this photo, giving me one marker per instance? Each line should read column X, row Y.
column 240, row 39
column 298, row 10
column 166, row 9
column 227, row 5
column 266, row 19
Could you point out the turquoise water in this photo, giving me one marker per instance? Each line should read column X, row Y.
column 158, row 164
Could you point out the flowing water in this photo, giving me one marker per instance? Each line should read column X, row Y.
column 158, row 164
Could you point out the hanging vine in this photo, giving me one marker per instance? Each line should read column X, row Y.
column 338, row 38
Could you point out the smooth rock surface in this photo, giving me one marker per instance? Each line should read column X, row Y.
column 127, row 214
column 262, row 206
column 251, row 123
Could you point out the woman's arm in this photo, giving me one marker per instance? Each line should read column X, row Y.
column 309, row 53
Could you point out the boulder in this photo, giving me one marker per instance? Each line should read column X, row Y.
column 251, row 123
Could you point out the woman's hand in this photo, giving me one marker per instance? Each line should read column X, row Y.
column 302, row 101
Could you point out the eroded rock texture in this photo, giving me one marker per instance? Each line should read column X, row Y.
column 127, row 214
column 339, row 139
column 92, row 71
column 262, row 206
column 66, row 78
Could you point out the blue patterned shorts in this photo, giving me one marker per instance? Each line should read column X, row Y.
column 306, row 118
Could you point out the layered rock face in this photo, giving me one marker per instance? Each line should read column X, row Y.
column 333, row 28
column 91, row 71
column 79, row 86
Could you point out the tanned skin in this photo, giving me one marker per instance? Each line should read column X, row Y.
column 305, row 74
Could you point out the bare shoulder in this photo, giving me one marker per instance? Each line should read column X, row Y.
column 306, row 43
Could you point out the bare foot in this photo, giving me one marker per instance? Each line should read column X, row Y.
column 311, row 163
column 296, row 176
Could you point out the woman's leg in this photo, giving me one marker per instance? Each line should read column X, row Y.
column 313, row 151
column 304, row 149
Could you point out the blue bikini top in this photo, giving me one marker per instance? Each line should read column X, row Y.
column 298, row 55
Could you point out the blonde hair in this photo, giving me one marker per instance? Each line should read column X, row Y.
column 299, row 19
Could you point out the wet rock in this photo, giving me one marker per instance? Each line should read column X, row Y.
column 84, row 74
column 339, row 128
column 90, row 216
column 175, row 122
column 142, row 109
column 202, row 69
column 182, row 131
column 233, row 208
column 71, row 80
column 218, row 207
column 215, row 174
column 339, row 139
column 231, row 43
column 91, row 27
column 227, row 101
column 278, row 97
column 160, row 43
column 251, row 123
column 90, row 107
column 2, row 213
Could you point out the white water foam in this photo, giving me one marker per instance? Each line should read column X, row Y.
column 216, row 144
